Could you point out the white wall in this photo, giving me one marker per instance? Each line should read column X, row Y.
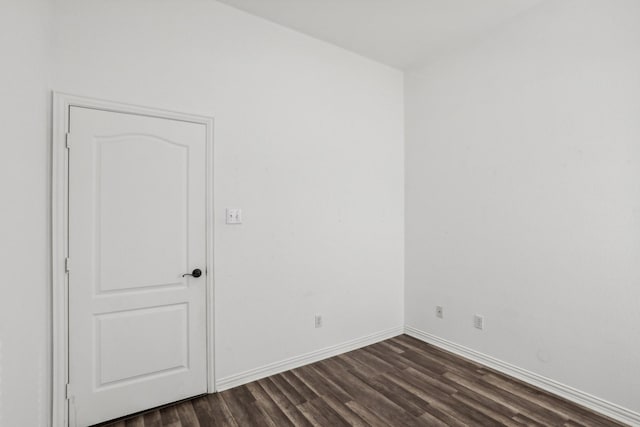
column 523, row 195
column 24, row 213
column 308, row 142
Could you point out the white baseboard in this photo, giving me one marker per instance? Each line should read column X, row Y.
column 591, row 402
column 305, row 359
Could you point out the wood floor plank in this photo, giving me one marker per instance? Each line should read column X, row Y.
column 187, row 415
column 371, row 399
column 445, row 417
column 499, row 417
column 268, row 406
column 370, row 417
column 367, row 359
column 286, row 406
column 398, row 382
column 444, row 406
column 354, row 365
column 421, row 363
column 496, row 406
column 435, row 382
column 313, row 415
column 401, row 397
column 152, row 419
column 440, row 365
column 387, row 355
column 170, row 417
column 290, row 392
column 389, row 346
column 300, row 387
column 240, row 406
column 345, row 411
column 440, row 356
column 334, row 417
column 444, row 401
column 221, row 413
column 573, row 424
column 321, row 385
column 530, row 409
column 430, row 420
column 334, row 366
column 528, row 421
column 202, row 410
column 555, row 404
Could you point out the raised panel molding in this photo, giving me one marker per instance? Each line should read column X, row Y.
column 173, row 345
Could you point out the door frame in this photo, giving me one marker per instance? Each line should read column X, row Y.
column 62, row 102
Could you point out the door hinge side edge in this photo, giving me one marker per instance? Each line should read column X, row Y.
column 68, row 140
column 67, row 264
column 68, row 391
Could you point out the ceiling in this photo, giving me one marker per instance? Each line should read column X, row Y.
column 400, row 33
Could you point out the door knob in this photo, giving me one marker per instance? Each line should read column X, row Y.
column 195, row 273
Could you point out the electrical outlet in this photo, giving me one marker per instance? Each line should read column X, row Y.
column 318, row 321
column 478, row 322
column 234, row 216
column 439, row 312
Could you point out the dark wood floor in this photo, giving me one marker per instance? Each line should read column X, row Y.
column 398, row 382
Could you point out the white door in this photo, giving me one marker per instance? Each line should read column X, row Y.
column 137, row 326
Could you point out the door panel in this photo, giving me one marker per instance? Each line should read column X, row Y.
column 147, row 354
column 137, row 327
column 154, row 254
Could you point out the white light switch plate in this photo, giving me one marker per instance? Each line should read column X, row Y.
column 234, row 216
